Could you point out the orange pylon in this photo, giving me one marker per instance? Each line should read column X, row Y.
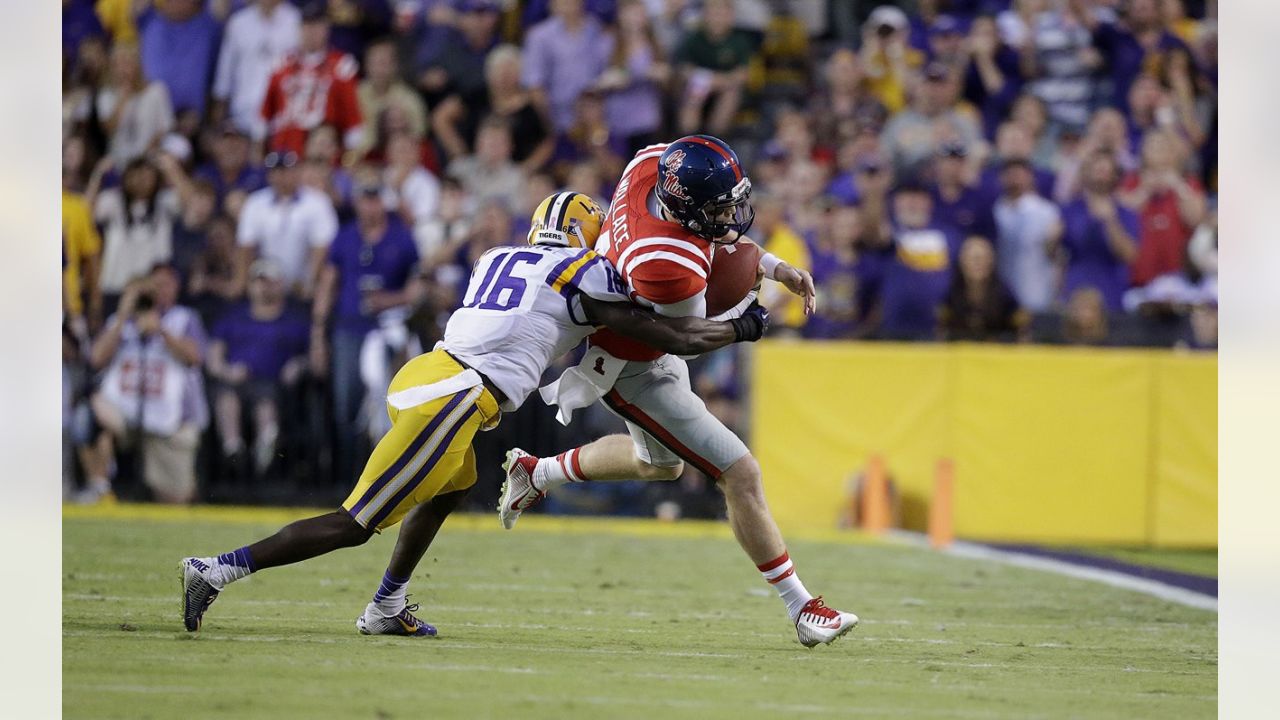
column 875, row 498
column 941, row 528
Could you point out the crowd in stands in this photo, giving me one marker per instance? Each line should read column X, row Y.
column 268, row 205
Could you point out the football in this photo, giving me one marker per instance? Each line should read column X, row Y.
column 734, row 271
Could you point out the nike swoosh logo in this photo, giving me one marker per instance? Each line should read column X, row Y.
column 407, row 627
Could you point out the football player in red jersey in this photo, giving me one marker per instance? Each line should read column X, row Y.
column 315, row 86
column 674, row 208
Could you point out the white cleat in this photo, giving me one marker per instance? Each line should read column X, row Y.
column 819, row 624
column 198, row 592
column 518, row 491
column 405, row 623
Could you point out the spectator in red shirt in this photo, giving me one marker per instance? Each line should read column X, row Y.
column 1170, row 203
column 315, row 86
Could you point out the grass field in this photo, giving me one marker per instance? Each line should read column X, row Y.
column 601, row 619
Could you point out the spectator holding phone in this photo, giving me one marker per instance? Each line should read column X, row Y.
column 152, row 393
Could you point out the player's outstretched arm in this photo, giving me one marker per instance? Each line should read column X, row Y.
column 799, row 282
column 678, row 336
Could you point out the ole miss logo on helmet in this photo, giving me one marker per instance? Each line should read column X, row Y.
column 671, row 184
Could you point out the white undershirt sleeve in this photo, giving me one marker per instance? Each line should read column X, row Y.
column 694, row 306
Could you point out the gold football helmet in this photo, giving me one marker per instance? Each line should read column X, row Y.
column 567, row 219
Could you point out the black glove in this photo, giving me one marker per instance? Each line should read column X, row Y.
column 751, row 326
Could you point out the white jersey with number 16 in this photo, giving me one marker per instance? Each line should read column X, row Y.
column 522, row 311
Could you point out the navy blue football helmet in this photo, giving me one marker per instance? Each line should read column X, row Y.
column 702, row 185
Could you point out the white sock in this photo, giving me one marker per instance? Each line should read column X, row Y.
column 389, row 600
column 558, row 470
column 229, row 567
column 780, row 573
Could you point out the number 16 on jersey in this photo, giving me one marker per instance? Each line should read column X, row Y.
column 502, row 288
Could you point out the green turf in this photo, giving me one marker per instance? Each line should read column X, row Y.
column 545, row 625
column 1195, row 562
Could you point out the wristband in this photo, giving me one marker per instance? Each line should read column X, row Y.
column 770, row 263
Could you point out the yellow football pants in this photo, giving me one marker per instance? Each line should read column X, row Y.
column 428, row 450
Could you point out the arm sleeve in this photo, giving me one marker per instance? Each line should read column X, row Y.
column 695, row 306
column 600, row 281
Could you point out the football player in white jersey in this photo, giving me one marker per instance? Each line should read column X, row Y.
column 524, row 307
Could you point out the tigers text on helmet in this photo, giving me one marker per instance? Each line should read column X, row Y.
column 567, row 219
column 702, row 186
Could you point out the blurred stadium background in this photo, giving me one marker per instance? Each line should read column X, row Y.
column 1008, row 207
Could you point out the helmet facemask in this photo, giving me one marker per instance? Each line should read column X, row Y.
column 730, row 214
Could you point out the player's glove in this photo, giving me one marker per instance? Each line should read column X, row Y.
column 751, row 325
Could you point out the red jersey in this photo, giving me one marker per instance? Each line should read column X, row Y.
column 1163, row 237
column 304, row 94
column 660, row 262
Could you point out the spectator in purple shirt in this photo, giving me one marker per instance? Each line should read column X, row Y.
column 1013, row 142
column 179, row 40
column 589, row 138
column 453, row 60
column 839, row 274
column 955, row 201
column 1099, row 235
column 992, row 75
column 258, row 350
column 916, row 280
column 230, row 170
column 370, row 269
column 635, row 78
column 1140, row 44
column 79, row 21
column 535, row 11
column 353, row 24
column 947, row 42
column 563, row 56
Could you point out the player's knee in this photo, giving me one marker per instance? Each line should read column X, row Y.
column 351, row 532
column 661, row 473
column 743, row 480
